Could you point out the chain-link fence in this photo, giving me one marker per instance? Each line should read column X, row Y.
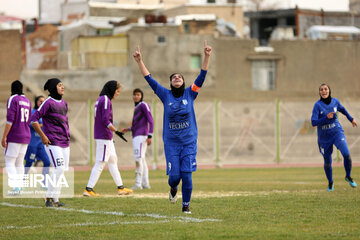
column 230, row 133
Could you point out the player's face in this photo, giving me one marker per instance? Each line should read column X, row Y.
column 177, row 81
column 324, row 91
column 137, row 97
column 40, row 101
column 60, row 88
column 117, row 93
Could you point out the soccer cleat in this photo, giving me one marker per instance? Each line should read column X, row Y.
column 351, row 181
column 49, row 202
column 146, row 186
column 59, row 204
column 186, row 210
column 173, row 195
column 136, row 187
column 331, row 187
column 89, row 192
column 124, row 191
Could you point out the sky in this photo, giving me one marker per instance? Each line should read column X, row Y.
column 27, row 9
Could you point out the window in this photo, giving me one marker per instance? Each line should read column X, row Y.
column 263, row 75
column 161, row 40
column 195, row 62
column 186, row 27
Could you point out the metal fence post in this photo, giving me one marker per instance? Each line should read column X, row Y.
column 91, row 133
column 154, row 145
column 217, row 133
column 277, row 116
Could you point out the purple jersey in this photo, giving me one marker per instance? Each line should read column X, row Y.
column 103, row 118
column 142, row 123
column 18, row 115
column 55, row 121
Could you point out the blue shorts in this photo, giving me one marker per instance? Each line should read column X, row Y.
column 37, row 152
column 339, row 140
column 180, row 158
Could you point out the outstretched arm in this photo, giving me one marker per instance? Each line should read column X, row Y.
column 138, row 58
column 207, row 52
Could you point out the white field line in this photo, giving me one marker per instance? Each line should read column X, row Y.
column 84, row 224
column 150, row 215
column 200, row 194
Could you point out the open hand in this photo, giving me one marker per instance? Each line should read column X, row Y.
column 354, row 123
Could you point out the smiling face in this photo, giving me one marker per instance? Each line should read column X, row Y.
column 177, row 80
column 324, row 91
column 60, row 88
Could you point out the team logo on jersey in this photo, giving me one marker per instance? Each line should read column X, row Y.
column 184, row 101
column 170, row 104
column 335, row 109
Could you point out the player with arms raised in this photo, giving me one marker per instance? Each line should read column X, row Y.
column 179, row 130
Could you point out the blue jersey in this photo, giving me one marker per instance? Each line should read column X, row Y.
column 35, row 137
column 179, row 122
column 327, row 128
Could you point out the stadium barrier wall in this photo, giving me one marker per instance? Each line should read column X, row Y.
column 230, row 133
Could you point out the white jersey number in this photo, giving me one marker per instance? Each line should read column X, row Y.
column 24, row 114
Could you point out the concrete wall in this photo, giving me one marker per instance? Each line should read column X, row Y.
column 164, row 59
column 11, row 55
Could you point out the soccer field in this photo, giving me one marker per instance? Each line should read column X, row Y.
column 253, row 203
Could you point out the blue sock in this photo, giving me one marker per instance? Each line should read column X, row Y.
column 347, row 165
column 174, row 181
column 27, row 166
column 186, row 187
column 328, row 169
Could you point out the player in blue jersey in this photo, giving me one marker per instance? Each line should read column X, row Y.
column 142, row 128
column 179, row 126
column 36, row 150
column 331, row 133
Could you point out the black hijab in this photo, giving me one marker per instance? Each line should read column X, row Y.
column 177, row 92
column 109, row 89
column 327, row 100
column 16, row 87
column 50, row 85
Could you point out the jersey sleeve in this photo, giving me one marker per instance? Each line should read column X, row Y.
column 149, row 118
column 315, row 120
column 195, row 87
column 342, row 109
column 106, row 112
column 40, row 112
column 159, row 90
column 11, row 111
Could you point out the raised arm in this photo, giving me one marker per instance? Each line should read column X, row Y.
column 138, row 58
column 207, row 52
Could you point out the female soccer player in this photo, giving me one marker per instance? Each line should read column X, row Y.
column 331, row 133
column 179, row 129
column 56, row 136
column 103, row 134
column 142, row 128
column 36, row 150
column 16, row 135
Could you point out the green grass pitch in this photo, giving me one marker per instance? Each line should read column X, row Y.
column 253, row 203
